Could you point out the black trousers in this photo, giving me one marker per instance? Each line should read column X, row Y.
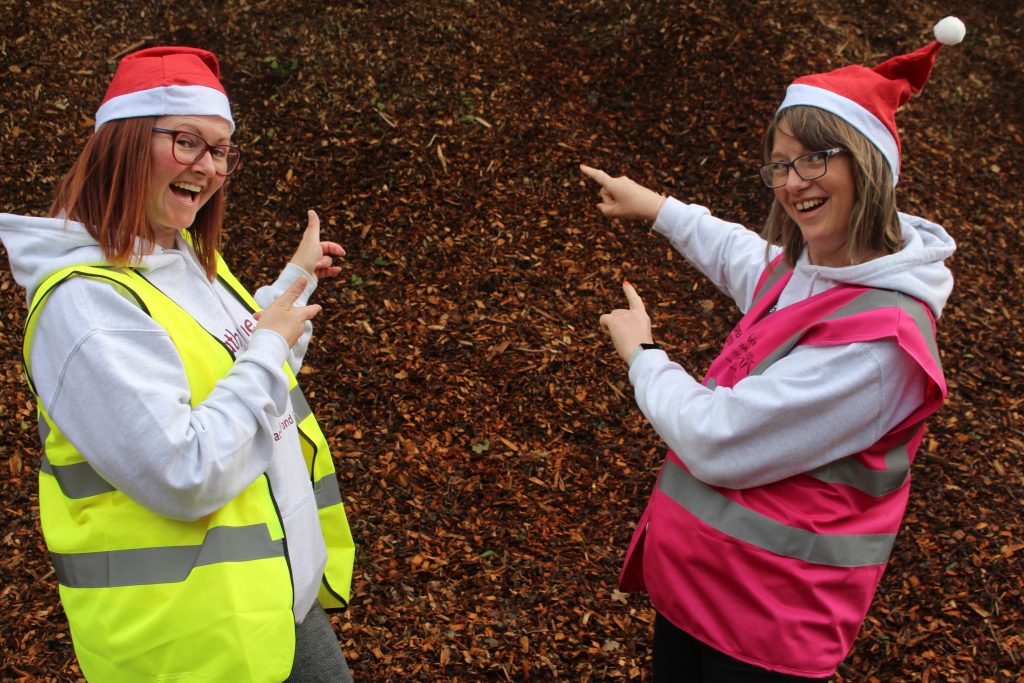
column 681, row 658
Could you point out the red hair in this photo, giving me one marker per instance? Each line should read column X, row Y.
column 106, row 189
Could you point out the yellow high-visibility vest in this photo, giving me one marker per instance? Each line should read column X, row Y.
column 150, row 598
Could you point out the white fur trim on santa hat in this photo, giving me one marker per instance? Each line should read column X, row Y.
column 950, row 31
column 172, row 100
column 800, row 94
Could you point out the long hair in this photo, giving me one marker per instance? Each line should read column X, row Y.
column 106, row 191
column 874, row 226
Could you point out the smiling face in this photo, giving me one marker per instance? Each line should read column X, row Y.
column 176, row 192
column 820, row 208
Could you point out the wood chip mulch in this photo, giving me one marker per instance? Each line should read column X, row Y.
column 491, row 456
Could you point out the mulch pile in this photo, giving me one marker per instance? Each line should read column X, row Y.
column 491, row 457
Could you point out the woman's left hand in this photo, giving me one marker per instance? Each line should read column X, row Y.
column 628, row 327
column 314, row 256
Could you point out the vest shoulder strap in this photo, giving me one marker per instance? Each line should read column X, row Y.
column 121, row 279
column 777, row 269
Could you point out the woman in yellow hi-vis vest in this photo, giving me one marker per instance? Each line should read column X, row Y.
column 187, row 496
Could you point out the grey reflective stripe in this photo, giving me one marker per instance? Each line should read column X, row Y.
column 145, row 566
column 780, row 352
column 781, row 269
column 300, row 407
column 744, row 524
column 877, row 483
column 849, row 471
column 78, row 480
column 870, row 300
column 44, row 431
column 326, row 491
column 920, row 318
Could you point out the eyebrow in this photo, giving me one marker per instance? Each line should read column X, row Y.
column 194, row 129
column 777, row 156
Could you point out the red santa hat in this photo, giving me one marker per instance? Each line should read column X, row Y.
column 161, row 81
column 868, row 99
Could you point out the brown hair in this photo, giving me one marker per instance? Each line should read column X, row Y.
column 106, row 189
column 874, row 226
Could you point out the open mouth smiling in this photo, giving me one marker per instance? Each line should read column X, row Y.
column 187, row 191
column 809, row 205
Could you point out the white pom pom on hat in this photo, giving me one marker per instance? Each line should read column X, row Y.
column 950, row 31
column 868, row 98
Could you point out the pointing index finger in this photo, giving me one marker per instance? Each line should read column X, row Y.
column 595, row 174
column 635, row 302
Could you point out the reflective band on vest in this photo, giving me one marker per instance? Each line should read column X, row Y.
column 44, row 432
column 326, row 491
column 80, row 480
column 167, row 564
column 77, row 480
column 300, row 407
column 851, row 472
column 920, row 317
column 779, row 270
column 739, row 522
column 870, row 300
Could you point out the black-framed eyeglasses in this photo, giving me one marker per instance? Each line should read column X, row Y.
column 188, row 148
column 808, row 166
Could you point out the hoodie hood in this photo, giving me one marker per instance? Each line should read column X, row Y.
column 37, row 247
column 917, row 269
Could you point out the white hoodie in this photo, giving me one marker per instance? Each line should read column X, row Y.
column 817, row 404
column 111, row 378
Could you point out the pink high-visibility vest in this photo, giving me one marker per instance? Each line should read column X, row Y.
column 782, row 575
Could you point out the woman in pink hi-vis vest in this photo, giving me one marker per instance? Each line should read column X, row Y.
column 787, row 474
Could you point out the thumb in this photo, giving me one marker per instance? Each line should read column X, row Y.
column 312, row 232
column 635, row 302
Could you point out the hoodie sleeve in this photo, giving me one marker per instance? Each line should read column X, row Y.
column 815, row 406
column 265, row 296
column 728, row 254
column 142, row 435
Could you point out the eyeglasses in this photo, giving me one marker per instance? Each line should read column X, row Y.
column 188, row 148
column 808, row 166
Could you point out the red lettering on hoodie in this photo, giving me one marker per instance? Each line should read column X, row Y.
column 233, row 339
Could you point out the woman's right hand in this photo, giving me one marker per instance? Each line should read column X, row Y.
column 623, row 198
column 314, row 256
column 283, row 317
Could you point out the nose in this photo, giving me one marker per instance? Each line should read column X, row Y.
column 794, row 181
column 204, row 164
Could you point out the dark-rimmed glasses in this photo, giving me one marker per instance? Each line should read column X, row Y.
column 188, row 148
column 808, row 166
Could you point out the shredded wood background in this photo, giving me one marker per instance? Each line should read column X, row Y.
column 490, row 454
